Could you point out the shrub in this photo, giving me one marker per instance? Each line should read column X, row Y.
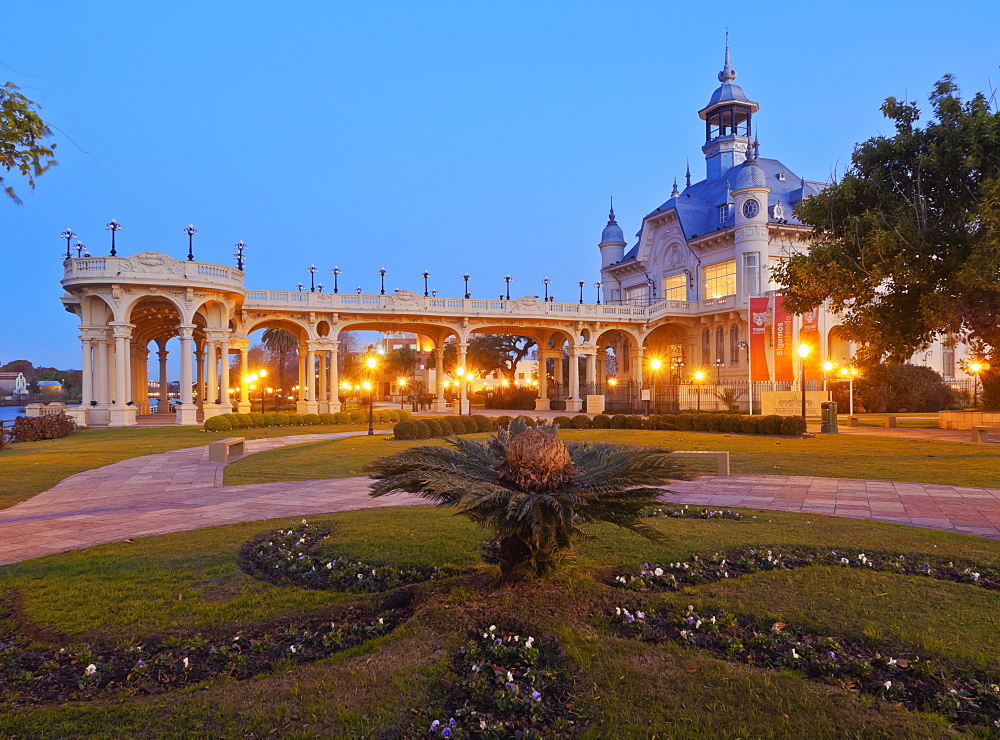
column 405, row 430
column 283, row 419
column 326, row 419
column 668, row 421
column 582, row 421
column 311, row 420
column 341, row 417
column 602, row 421
column 685, row 422
column 423, row 429
column 503, row 422
column 384, row 416
column 527, row 421
column 270, row 420
column 652, row 422
column 448, row 425
column 793, row 425
column 729, row 423
column 294, row 420
column 900, row 388
column 218, row 424
column 257, row 420
column 471, row 425
column 701, row 422
column 358, row 417
column 618, row 421
column 510, row 398
column 403, row 415
column 751, row 424
column 246, row 421
column 35, row 428
column 771, row 424
column 635, row 421
column 436, row 429
column 485, row 423
column 563, row 422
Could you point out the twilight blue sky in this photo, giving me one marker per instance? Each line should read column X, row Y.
column 447, row 136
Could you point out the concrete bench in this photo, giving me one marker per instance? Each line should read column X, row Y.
column 979, row 433
column 220, row 450
column 721, row 458
column 889, row 421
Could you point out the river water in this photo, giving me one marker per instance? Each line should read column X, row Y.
column 8, row 413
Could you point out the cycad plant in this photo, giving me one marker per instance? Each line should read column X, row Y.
column 531, row 490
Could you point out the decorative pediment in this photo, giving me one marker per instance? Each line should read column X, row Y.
column 403, row 299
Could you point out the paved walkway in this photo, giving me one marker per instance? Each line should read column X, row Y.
column 181, row 490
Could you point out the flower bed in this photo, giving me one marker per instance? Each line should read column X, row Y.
column 505, row 687
column 685, row 512
column 910, row 680
column 29, row 674
column 292, row 557
column 717, row 567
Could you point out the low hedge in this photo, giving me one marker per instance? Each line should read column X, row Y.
column 225, row 422
column 447, row 426
column 36, row 428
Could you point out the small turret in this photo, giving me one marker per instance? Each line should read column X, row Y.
column 612, row 244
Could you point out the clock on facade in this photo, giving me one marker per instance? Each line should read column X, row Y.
column 751, row 208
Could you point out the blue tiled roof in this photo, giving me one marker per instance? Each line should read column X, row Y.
column 697, row 209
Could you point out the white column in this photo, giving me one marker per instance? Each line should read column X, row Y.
column 542, row 402
column 224, row 383
column 439, row 403
column 334, row 379
column 87, row 380
column 601, row 358
column 244, row 405
column 557, row 369
column 212, row 367
column 636, row 364
column 300, row 403
column 101, row 372
column 120, row 413
column 312, row 405
column 591, row 371
column 573, row 403
column 324, row 404
column 463, row 398
column 186, row 409
column 109, row 370
column 163, row 406
column 199, row 356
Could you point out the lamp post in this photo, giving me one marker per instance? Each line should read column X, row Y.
column 240, row 248
column 401, row 384
column 312, row 277
column 698, row 377
column 81, row 249
column 581, row 285
column 975, row 368
column 319, row 287
column 827, row 367
column 678, row 369
column 848, row 374
column 654, row 366
column 719, row 364
column 598, row 285
column 426, row 276
column 113, row 226
column 336, row 271
column 371, row 362
column 358, row 290
column 191, row 232
column 508, row 281
column 746, row 347
column 804, row 350
column 299, row 286
column 381, row 274
column 546, row 282
column 68, row 235
column 466, row 278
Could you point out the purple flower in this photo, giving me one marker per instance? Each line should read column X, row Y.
column 536, row 696
column 509, row 686
column 451, row 722
column 832, row 655
column 435, row 724
column 462, row 650
column 446, row 732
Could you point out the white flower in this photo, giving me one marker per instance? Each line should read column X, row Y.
column 381, row 620
column 887, row 685
column 795, row 654
column 529, row 642
column 90, row 670
column 187, row 663
column 493, row 628
column 510, row 676
column 892, row 661
column 293, row 649
column 658, row 572
column 329, row 566
column 618, row 612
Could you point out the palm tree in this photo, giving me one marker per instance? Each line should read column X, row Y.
column 532, row 490
column 280, row 341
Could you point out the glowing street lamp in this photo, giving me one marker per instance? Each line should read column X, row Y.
column 848, row 373
column 975, row 368
column 804, row 350
column 699, row 376
column 654, row 365
column 827, row 368
column 371, row 363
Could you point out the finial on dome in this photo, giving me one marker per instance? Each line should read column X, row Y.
column 675, row 192
column 611, row 215
column 756, row 148
column 688, row 173
column 728, row 74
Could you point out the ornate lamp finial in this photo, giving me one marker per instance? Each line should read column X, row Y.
column 728, row 74
column 675, row 193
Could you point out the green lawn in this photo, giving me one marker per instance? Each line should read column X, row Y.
column 32, row 467
column 175, row 584
column 833, row 456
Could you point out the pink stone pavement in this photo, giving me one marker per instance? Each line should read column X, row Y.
column 181, row 490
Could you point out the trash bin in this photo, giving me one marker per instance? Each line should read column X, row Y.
column 414, row 403
column 828, row 424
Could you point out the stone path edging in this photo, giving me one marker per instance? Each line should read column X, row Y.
column 181, row 490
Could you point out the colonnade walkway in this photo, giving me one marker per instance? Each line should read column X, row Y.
column 182, row 490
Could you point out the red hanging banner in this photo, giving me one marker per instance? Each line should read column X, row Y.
column 783, row 350
column 758, row 340
column 809, row 334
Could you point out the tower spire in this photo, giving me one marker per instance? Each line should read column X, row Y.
column 611, row 214
column 675, row 192
column 728, row 74
column 687, row 175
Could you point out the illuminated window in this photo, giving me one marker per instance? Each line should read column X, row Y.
column 720, row 279
column 675, row 287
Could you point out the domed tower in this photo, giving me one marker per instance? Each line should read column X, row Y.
column 612, row 244
column 750, row 191
column 728, row 123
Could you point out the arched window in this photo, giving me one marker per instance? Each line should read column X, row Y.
column 706, row 347
column 734, row 345
column 720, row 345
